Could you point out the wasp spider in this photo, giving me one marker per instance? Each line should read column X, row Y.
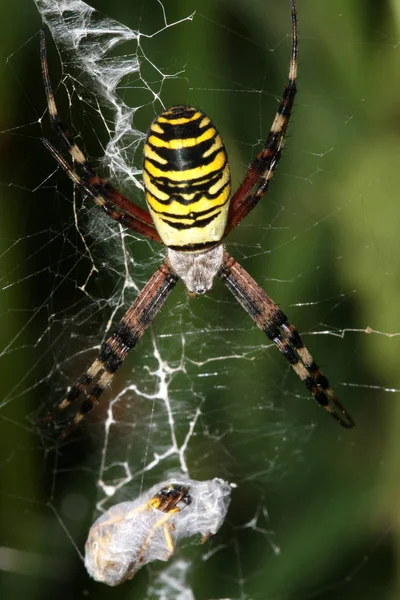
column 187, row 182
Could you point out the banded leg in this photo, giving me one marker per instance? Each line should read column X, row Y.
column 124, row 219
column 276, row 326
column 114, row 350
column 265, row 163
column 108, row 198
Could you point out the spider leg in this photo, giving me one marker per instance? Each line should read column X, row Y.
column 114, row 350
column 124, row 219
column 276, row 326
column 265, row 163
column 108, row 198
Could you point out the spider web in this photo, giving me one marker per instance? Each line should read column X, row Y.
column 205, row 394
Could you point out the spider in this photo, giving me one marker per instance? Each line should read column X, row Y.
column 187, row 187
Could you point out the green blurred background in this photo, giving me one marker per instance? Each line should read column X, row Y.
column 324, row 244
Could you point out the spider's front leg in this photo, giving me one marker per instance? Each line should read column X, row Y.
column 115, row 205
column 261, row 172
column 115, row 349
column 276, row 326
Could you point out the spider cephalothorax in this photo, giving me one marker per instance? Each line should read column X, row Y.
column 187, row 182
column 197, row 269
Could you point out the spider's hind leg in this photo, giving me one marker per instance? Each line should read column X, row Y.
column 276, row 326
column 309, row 372
column 115, row 349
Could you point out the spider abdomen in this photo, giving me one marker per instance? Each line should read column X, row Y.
column 187, row 179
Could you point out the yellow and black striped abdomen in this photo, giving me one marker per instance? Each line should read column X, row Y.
column 187, row 179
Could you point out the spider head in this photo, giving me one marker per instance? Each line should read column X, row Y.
column 197, row 269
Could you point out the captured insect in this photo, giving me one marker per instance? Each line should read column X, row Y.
column 131, row 534
column 187, row 183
